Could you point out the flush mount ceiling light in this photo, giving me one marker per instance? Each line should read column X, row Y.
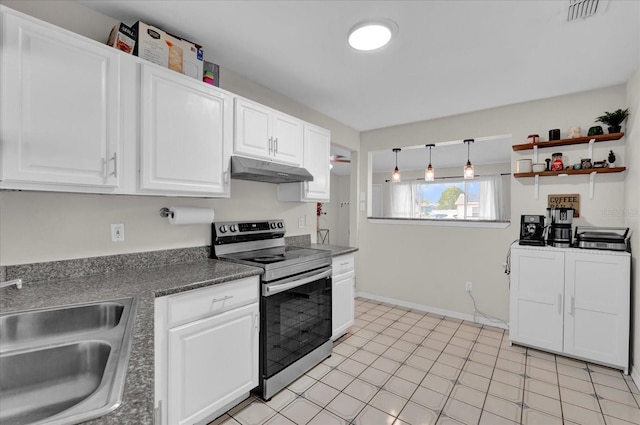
column 395, row 177
column 429, row 174
column 372, row 34
column 468, row 169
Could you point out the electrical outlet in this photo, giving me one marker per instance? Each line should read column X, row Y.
column 468, row 286
column 302, row 222
column 117, row 232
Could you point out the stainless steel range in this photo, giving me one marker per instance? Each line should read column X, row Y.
column 295, row 306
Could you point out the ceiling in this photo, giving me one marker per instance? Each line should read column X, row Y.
column 448, row 57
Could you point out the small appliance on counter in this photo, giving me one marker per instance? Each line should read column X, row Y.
column 605, row 238
column 560, row 220
column 532, row 230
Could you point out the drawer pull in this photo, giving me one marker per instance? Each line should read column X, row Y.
column 215, row 300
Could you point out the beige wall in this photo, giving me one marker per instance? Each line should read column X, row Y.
column 431, row 264
column 36, row 226
column 632, row 207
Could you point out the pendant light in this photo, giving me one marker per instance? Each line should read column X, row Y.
column 395, row 177
column 429, row 174
column 468, row 169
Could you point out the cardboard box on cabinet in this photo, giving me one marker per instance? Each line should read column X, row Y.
column 164, row 49
column 122, row 37
column 211, row 74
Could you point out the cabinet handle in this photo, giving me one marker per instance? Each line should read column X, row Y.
column 573, row 306
column 226, row 177
column 115, row 165
column 215, row 300
column 275, row 145
column 270, row 145
column 559, row 303
column 256, row 321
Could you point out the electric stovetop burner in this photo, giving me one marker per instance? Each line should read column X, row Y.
column 268, row 259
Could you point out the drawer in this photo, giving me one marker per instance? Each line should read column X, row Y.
column 343, row 264
column 204, row 302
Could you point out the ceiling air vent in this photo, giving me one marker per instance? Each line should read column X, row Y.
column 581, row 9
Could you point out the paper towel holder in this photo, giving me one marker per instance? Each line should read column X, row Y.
column 166, row 212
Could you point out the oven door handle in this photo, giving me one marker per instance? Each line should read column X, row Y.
column 268, row 290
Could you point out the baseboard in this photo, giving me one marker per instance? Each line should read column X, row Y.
column 635, row 376
column 435, row 310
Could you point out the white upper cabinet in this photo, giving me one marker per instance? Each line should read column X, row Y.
column 59, row 109
column 317, row 145
column 261, row 132
column 185, row 135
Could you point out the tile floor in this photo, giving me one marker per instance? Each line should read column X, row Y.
column 400, row 366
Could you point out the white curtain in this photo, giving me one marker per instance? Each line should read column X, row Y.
column 491, row 198
column 402, row 199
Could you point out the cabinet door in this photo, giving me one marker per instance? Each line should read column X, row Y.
column 342, row 304
column 185, row 134
column 59, row 107
column 536, row 307
column 212, row 362
column 288, row 139
column 317, row 148
column 597, row 288
column 252, row 129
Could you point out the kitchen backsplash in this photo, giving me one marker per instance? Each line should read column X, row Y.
column 52, row 270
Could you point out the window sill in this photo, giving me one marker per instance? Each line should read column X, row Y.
column 488, row 224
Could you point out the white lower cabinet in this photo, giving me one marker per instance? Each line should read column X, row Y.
column 206, row 351
column 572, row 302
column 342, row 295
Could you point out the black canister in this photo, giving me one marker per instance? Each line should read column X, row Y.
column 554, row 134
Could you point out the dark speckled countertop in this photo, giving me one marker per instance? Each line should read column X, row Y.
column 335, row 249
column 145, row 275
column 147, row 284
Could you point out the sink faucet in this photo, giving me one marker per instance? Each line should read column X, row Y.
column 17, row 282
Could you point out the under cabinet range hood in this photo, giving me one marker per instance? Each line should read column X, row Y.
column 266, row 171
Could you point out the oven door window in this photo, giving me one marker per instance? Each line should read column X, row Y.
column 294, row 323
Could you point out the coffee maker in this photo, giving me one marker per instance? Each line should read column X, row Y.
column 560, row 232
column 531, row 230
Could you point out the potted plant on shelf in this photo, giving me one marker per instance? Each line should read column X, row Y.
column 613, row 119
column 612, row 159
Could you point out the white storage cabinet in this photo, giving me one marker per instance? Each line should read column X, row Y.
column 264, row 133
column 206, row 351
column 317, row 147
column 60, row 109
column 185, row 136
column 342, row 294
column 572, row 301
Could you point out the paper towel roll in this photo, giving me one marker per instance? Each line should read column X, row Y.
column 190, row 215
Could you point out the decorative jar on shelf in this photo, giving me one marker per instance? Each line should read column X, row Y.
column 556, row 162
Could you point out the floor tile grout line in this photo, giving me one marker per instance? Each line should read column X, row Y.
column 433, row 328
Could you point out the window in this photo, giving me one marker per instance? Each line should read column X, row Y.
column 454, row 199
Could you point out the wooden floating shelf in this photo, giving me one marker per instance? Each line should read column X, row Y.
column 571, row 172
column 566, row 142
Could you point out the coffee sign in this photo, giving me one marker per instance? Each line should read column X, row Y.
column 569, row 200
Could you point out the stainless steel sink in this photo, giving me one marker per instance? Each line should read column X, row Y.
column 64, row 365
column 39, row 326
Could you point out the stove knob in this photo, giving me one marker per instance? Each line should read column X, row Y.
column 280, row 225
column 273, row 225
column 233, row 228
column 223, row 228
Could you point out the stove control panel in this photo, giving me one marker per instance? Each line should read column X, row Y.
column 242, row 231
